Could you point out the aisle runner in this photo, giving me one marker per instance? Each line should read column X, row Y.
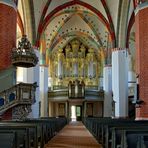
column 74, row 135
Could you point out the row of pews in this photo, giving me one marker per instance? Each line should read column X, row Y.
column 118, row 133
column 29, row 133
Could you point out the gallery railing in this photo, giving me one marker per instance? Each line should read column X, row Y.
column 76, row 93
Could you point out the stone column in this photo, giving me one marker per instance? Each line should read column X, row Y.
column 120, row 81
column 8, row 19
column 107, row 85
column 141, row 33
column 44, row 90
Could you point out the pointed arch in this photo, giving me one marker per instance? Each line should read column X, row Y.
column 109, row 18
column 79, row 13
column 47, row 19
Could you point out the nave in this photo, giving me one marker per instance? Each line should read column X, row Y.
column 92, row 132
column 73, row 135
column 73, row 59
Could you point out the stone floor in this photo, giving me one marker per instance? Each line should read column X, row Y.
column 74, row 135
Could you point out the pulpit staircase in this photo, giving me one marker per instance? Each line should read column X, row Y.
column 17, row 100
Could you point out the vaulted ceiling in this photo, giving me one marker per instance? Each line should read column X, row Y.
column 99, row 24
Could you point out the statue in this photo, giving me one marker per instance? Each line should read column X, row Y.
column 75, row 45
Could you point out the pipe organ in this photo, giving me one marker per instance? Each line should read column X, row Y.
column 76, row 89
column 75, row 62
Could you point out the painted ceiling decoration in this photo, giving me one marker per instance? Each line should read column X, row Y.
column 74, row 34
column 59, row 8
column 83, row 16
column 76, row 29
column 94, row 23
column 110, row 19
column 80, row 12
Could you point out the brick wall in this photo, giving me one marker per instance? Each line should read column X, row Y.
column 141, row 22
column 7, row 34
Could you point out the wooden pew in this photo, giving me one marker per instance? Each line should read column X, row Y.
column 7, row 139
column 131, row 137
column 95, row 126
column 37, row 131
column 121, row 124
column 22, row 132
column 101, row 128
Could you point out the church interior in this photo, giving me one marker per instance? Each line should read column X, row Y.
column 73, row 73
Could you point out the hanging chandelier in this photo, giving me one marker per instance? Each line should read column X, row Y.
column 24, row 55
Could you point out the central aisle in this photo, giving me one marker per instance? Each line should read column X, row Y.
column 74, row 135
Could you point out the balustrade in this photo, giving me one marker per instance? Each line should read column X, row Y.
column 22, row 93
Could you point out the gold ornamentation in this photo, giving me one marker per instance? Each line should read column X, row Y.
column 76, row 58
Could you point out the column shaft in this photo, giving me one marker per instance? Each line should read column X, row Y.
column 120, row 82
column 44, row 90
column 8, row 19
column 107, row 85
column 141, row 32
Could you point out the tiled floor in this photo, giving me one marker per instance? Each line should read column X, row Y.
column 74, row 135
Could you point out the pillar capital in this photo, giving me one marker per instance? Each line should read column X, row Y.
column 118, row 49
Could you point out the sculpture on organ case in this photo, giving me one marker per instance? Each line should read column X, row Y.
column 75, row 45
